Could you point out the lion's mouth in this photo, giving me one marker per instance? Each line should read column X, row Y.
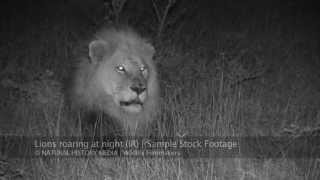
column 132, row 102
column 132, row 106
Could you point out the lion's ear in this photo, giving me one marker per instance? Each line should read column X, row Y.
column 99, row 49
column 150, row 49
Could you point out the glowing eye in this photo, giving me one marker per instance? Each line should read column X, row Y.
column 121, row 69
column 143, row 68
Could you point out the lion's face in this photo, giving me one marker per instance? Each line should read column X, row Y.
column 124, row 76
column 118, row 77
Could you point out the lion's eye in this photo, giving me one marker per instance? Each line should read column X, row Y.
column 143, row 68
column 120, row 69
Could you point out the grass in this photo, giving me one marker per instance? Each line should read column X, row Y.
column 230, row 81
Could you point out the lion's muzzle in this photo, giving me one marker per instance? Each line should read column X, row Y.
column 138, row 86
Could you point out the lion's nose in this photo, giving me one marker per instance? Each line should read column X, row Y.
column 138, row 88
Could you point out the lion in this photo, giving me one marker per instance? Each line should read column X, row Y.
column 118, row 77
